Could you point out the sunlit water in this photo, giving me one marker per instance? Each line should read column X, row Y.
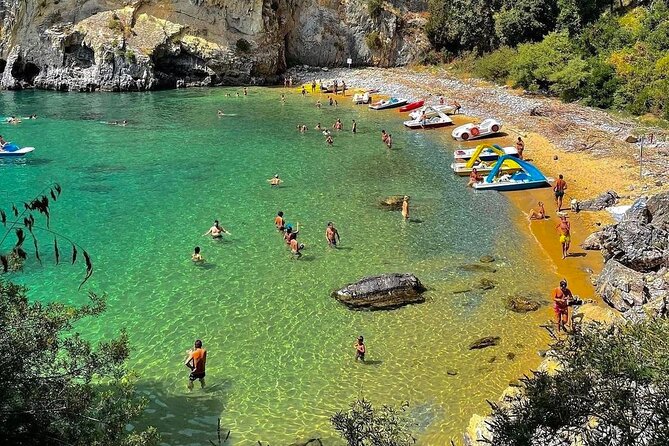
column 281, row 360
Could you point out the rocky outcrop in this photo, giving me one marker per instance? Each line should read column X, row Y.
column 622, row 287
column 604, row 201
column 592, row 242
column 88, row 45
column 385, row 292
column 637, row 245
column 488, row 341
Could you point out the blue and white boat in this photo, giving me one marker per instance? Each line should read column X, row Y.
column 10, row 150
column 388, row 103
column 526, row 177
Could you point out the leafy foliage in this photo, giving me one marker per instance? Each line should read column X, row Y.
column 612, row 388
column 496, row 66
column 243, row 45
column 458, row 26
column 373, row 41
column 57, row 388
column 374, row 7
column 25, row 221
column 522, row 21
column 364, row 425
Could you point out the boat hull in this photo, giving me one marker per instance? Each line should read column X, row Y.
column 511, row 185
column 17, row 153
column 387, row 106
column 464, row 172
column 427, row 126
column 412, row 106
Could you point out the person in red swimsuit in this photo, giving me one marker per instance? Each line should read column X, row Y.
column 561, row 297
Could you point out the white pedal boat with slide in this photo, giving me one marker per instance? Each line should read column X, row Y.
column 444, row 108
column 527, row 176
column 464, row 168
column 487, row 153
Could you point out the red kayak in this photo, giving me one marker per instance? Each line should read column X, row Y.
column 412, row 106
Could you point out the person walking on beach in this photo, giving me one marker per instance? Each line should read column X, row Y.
column 196, row 257
column 196, row 362
column 313, row 86
column 354, row 127
column 538, row 214
column 561, row 297
column 332, row 235
column 360, row 349
column 216, row 231
column 558, row 189
column 343, row 88
column 564, row 228
column 520, row 147
column 405, row 207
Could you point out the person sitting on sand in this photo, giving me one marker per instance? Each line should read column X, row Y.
column 538, row 214
column 216, row 231
column 329, row 140
column 332, row 235
column 520, row 147
column 561, row 297
column 474, row 178
column 196, row 257
column 279, row 222
column 360, row 349
column 441, row 100
column 275, row 181
column 564, row 229
column 338, row 125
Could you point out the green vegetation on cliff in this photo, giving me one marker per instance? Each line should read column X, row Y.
column 604, row 53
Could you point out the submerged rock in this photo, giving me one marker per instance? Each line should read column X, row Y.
column 485, row 342
column 521, row 304
column 393, row 202
column 486, row 284
column 477, row 267
column 487, row 259
column 384, row 292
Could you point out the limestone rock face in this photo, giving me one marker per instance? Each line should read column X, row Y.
column 385, row 292
column 622, row 287
column 88, row 45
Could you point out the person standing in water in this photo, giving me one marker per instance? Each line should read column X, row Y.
column 279, row 222
column 558, row 189
column 360, row 349
column 405, row 207
column 561, row 297
column 332, row 235
column 384, row 136
column 389, row 141
column 354, row 127
column 196, row 362
column 197, row 257
column 246, row 91
column 216, row 231
column 564, row 228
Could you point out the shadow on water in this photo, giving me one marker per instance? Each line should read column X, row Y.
column 205, row 266
column 184, row 417
column 372, row 362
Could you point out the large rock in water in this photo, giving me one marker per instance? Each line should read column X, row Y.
column 637, row 245
column 604, row 201
column 385, row 292
column 393, row 202
column 622, row 287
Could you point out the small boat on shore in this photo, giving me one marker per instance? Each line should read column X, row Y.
column 362, row 98
column 487, row 153
column 424, row 122
column 411, row 106
column 463, row 168
column 472, row 131
column 10, row 150
column 527, row 176
column 448, row 109
column 388, row 103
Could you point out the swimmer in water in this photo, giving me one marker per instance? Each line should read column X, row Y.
column 275, row 181
column 360, row 349
column 283, row 98
column 332, row 235
column 279, row 222
column 220, row 112
column 354, row 127
column 246, row 91
column 318, row 126
column 216, row 231
column 329, row 140
column 338, row 125
column 197, row 257
column 318, row 104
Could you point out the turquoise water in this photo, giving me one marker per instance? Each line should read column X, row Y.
column 280, row 363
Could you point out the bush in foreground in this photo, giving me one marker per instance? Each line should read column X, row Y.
column 365, row 425
column 612, row 389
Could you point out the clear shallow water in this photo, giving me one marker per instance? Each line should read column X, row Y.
column 280, row 360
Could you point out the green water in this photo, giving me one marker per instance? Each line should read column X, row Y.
column 280, row 358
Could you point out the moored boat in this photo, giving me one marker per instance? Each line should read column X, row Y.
column 12, row 150
column 448, row 109
column 464, row 168
column 472, row 131
column 388, row 103
column 412, row 106
column 362, row 98
column 488, row 153
column 526, row 177
column 424, row 122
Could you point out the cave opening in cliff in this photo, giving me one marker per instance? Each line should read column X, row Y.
column 3, row 64
column 26, row 72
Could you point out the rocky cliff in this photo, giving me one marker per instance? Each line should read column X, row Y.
column 88, row 45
